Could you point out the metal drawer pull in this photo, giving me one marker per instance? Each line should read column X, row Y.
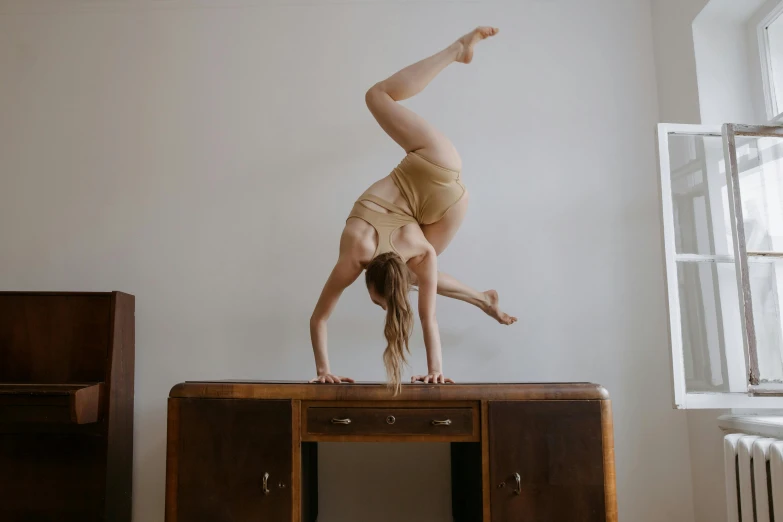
column 446, row 422
column 265, row 484
column 341, row 421
column 518, row 491
column 390, row 419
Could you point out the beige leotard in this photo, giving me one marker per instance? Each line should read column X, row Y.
column 429, row 189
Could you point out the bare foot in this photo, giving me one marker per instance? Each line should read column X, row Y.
column 492, row 308
column 467, row 42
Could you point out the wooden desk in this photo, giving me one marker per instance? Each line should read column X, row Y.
column 519, row 452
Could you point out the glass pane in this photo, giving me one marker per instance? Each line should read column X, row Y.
column 760, row 166
column 709, row 311
column 766, row 285
column 775, row 34
column 699, row 195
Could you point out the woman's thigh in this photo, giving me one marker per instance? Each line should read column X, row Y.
column 440, row 233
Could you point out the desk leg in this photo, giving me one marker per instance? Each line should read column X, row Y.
column 485, row 481
column 296, row 458
column 305, row 472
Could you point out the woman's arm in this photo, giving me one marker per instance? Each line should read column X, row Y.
column 426, row 272
column 343, row 275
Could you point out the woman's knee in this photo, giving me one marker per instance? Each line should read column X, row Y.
column 375, row 95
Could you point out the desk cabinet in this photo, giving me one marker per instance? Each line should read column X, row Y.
column 546, row 461
column 240, row 451
column 234, row 460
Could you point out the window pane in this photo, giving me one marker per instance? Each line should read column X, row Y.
column 709, row 311
column 760, row 165
column 775, row 35
column 699, row 195
column 766, row 285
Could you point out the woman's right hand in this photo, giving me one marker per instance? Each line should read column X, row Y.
column 328, row 378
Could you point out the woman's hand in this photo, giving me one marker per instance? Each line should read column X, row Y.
column 432, row 377
column 328, row 378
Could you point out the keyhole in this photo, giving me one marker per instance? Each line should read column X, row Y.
column 281, row 485
column 501, row 485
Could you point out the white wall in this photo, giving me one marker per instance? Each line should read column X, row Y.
column 726, row 53
column 678, row 102
column 675, row 62
column 204, row 155
column 723, row 71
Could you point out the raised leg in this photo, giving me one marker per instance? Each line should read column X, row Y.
column 488, row 302
column 408, row 129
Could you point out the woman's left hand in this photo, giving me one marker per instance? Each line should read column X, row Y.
column 432, row 377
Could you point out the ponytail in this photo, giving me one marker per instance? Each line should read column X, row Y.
column 388, row 275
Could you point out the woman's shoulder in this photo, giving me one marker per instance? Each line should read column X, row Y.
column 358, row 241
column 412, row 244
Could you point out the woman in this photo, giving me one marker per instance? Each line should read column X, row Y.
column 399, row 226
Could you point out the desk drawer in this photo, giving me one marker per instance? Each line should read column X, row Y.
column 394, row 422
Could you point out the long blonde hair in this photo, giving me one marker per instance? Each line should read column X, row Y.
column 388, row 276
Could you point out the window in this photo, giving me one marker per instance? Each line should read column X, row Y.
column 722, row 208
column 770, row 35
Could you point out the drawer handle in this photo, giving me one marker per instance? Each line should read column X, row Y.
column 341, row 421
column 518, row 490
column 265, row 484
column 446, row 422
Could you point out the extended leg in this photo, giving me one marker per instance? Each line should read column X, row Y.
column 409, row 130
column 487, row 301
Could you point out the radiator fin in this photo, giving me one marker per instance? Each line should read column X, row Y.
column 754, row 478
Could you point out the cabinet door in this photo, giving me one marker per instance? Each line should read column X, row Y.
column 546, row 461
column 226, row 449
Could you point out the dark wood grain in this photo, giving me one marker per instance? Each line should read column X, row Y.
column 486, row 483
column 391, row 421
column 561, row 447
column 172, row 459
column 66, row 403
column 120, row 373
column 51, row 477
column 379, row 392
column 610, row 487
column 557, row 449
column 69, row 403
column 295, row 480
column 54, row 339
column 224, row 449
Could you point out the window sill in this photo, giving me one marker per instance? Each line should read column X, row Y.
column 762, row 425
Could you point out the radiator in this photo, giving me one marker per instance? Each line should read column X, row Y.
column 754, row 478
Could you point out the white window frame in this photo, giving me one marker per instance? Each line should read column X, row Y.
column 730, row 133
column 774, row 112
column 752, row 395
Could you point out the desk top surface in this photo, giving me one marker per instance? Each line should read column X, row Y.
column 237, row 389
